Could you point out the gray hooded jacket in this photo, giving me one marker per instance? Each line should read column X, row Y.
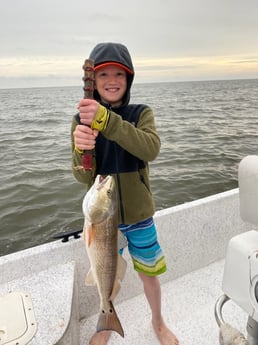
column 125, row 147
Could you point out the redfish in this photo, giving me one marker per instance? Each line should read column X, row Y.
column 101, row 238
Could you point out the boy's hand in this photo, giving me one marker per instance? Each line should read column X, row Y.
column 93, row 114
column 85, row 137
column 88, row 109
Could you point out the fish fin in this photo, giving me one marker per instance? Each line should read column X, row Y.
column 84, row 233
column 90, row 234
column 109, row 321
column 120, row 274
column 121, row 240
column 121, row 267
column 90, row 280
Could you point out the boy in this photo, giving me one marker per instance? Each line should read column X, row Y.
column 124, row 139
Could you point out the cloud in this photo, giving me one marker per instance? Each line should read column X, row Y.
column 41, row 70
column 197, row 68
column 168, row 40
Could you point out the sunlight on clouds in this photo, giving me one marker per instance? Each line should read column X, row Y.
column 39, row 66
column 67, row 70
column 197, row 68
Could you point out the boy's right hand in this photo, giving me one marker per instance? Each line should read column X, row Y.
column 85, row 137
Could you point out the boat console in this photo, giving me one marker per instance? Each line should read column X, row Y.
column 240, row 278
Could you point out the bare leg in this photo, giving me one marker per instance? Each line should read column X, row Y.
column 152, row 292
column 100, row 338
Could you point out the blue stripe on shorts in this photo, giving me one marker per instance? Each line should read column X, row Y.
column 144, row 247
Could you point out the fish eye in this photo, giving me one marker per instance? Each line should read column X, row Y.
column 109, row 193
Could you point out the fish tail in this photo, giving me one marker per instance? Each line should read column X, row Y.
column 108, row 320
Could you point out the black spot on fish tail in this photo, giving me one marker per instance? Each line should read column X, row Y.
column 109, row 321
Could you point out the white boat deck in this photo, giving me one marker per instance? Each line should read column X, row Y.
column 188, row 308
column 194, row 237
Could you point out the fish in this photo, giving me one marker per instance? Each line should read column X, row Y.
column 100, row 234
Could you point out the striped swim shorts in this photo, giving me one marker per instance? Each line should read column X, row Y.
column 144, row 247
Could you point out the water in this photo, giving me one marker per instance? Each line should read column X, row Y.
column 206, row 128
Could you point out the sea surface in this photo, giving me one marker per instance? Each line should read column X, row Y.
column 206, row 128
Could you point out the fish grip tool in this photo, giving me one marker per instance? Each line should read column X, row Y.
column 88, row 78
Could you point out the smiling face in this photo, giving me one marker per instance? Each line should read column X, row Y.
column 111, row 84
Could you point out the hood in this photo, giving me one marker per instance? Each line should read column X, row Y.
column 114, row 52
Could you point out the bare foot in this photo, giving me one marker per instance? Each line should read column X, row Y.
column 100, row 338
column 165, row 336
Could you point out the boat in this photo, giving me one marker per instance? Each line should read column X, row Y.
column 44, row 299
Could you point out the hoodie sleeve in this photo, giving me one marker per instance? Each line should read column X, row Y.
column 141, row 141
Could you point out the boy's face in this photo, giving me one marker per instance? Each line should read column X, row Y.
column 111, row 84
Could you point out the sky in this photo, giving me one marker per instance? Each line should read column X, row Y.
column 45, row 42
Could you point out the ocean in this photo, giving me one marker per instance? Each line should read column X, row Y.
column 206, row 128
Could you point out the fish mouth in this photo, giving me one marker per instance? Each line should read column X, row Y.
column 102, row 181
column 101, row 178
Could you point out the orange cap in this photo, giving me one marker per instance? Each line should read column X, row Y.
column 112, row 63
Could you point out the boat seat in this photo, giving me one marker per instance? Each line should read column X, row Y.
column 54, row 302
